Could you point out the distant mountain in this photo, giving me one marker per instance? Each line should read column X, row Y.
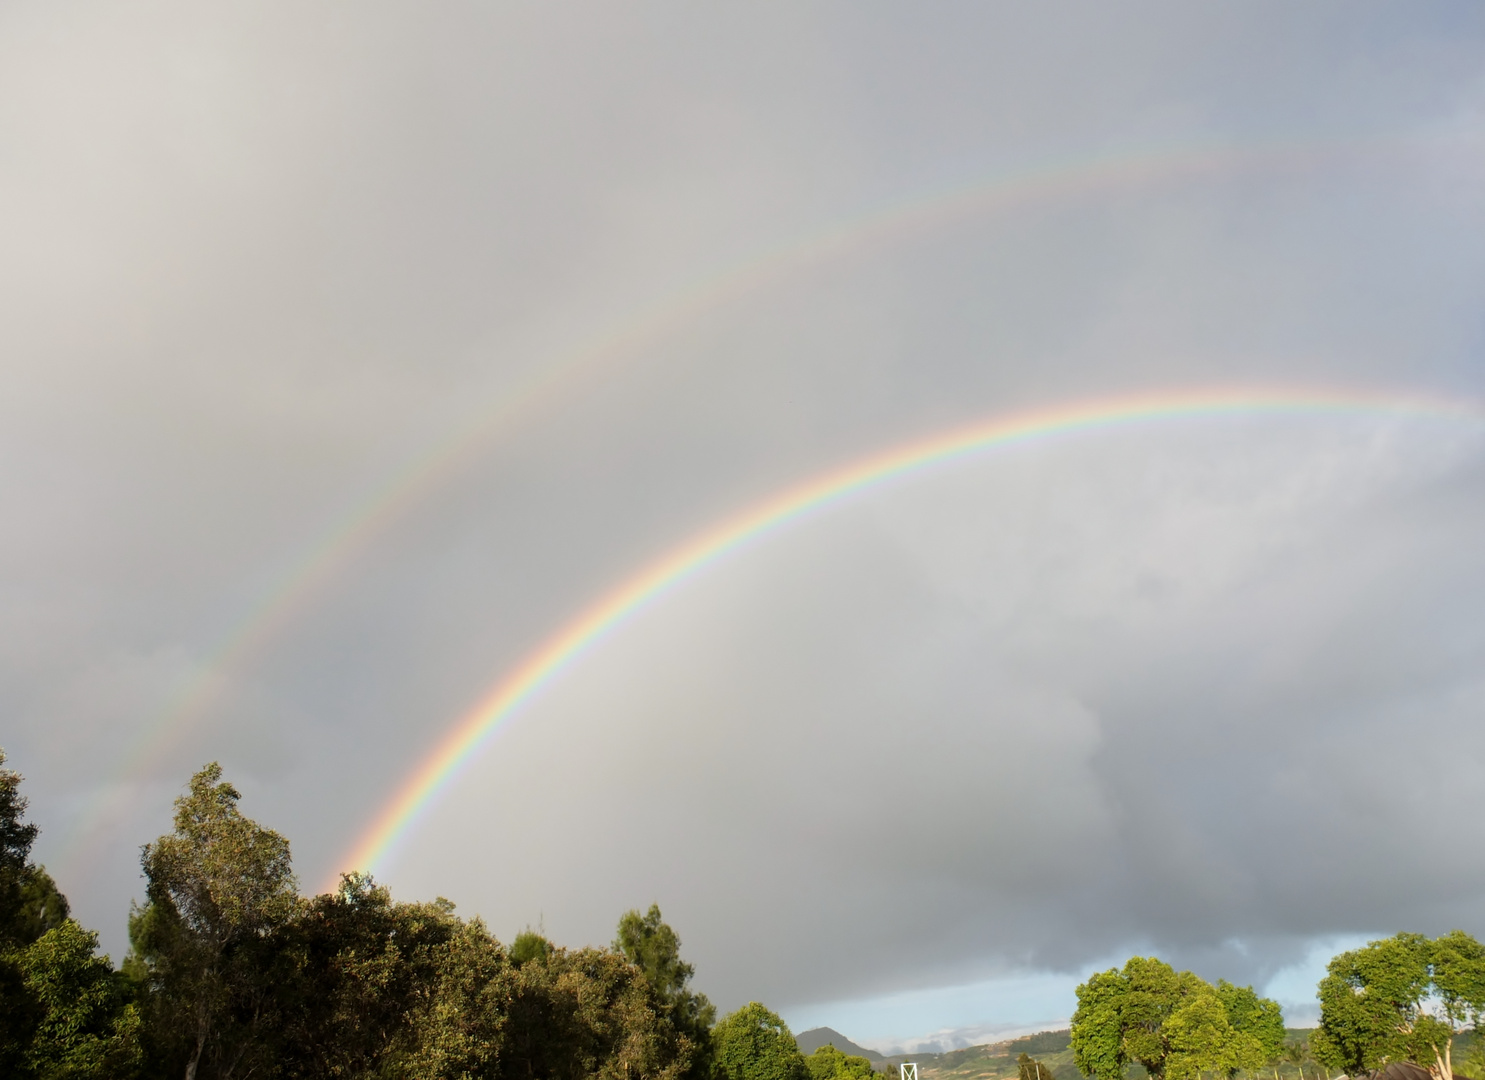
column 811, row 1040
column 995, row 1061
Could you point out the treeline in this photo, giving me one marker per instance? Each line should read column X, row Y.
column 1404, row 999
column 232, row 974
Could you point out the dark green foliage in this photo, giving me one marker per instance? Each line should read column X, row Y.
column 19, row 1012
column 241, row 977
column 754, row 1044
column 567, row 1015
column 828, row 1063
column 63, row 1011
column 219, row 887
column 457, row 1027
column 41, row 906
column 16, row 838
column 353, row 968
column 649, row 943
column 589, row 1012
column 1043, row 1042
column 232, row 974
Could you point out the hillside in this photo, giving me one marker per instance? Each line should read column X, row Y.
column 996, row 1061
column 811, row 1040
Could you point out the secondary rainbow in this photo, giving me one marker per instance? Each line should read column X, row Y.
column 549, row 380
column 461, row 744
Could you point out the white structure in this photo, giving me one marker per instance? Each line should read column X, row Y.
column 908, row 1070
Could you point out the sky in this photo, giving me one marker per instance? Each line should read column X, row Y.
column 350, row 352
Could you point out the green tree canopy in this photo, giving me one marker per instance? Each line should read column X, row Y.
column 63, row 1010
column 19, row 1011
column 1201, row 1038
column 16, row 837
column 1172, row 1023
column 1457, row 965
column 754, row 1044
column 86, row 1029
column 649, row 943
column 529, row 945
column 1259, row 1018
column 41, row 906
column 1373, row 1002
column 586, row 1014
column 234, row 975
column 217, row 887
column 828, row 1063
column 351, row 970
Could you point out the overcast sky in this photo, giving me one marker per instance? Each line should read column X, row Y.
column 350, row 350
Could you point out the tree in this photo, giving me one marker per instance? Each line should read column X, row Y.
column 649, row 943
column 1310, row 1045
column 1259, row 1018
column 754, row 1044
column 217, row 888
column 459, row 1021
column 19, row 1011
column 586, row 1014
column 1373, row 1002
column 41, row 906
column 30, row 903
column 1096, row 1033
column 354, row 968
column 529, row 945
column 1457, row 964
column 63, row 1011
column 1296, row 1054
column 30, row 907
column 1172, row 1023
column 828, row 1063
column 1029, row 1068
column 591, row 1013
column 16, row 838
column 1121, row 1016
column 86, row 1028
column 1201, row 1038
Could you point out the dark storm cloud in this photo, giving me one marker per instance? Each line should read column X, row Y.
column 1168, row 692
column 1211, row 691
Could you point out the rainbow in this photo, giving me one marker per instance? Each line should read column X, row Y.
column 561, row 374
column 546, row 383
column 464, row 741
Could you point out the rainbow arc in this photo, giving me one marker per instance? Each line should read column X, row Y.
column 608, row 613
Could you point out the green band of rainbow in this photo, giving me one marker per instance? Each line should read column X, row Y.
column 464, row 741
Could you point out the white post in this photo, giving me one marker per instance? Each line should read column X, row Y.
column 908, row 1070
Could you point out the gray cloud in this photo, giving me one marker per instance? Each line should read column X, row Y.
column 1208, row 687
column 1150, row 690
